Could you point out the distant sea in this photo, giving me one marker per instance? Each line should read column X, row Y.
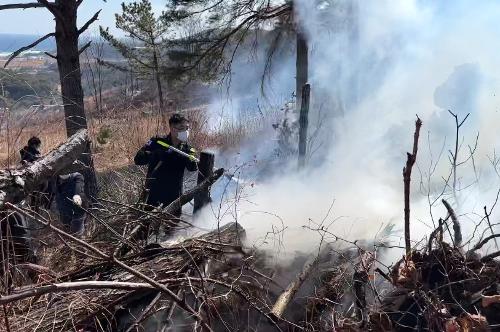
column 12, row 42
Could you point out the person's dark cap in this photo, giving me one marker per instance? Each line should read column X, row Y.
column 177, row 118
column 34, row 141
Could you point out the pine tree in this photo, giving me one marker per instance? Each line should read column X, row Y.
column 145, row 46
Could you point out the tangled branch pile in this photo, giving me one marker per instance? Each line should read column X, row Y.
column 116, row 280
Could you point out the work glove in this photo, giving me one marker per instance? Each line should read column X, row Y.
column 77, row 199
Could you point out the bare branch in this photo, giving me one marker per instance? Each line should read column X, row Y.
column 30, row 46
column 52, row 8
column 487, row 216
column 484, row 241
column 73, row 286
column 22, row 6
column 180, row 302
column 50, row 55
column 89, row 23
column 84, row 47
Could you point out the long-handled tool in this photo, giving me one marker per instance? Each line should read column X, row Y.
column 173, row 148
column 193, row 158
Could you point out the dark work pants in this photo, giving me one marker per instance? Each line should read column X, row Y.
column 75, row 224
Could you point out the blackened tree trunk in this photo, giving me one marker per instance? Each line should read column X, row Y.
column 303, row 123
column 302, row 66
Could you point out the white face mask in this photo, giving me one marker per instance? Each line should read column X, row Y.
column 183, row 135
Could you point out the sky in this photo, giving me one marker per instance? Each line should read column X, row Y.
column 38, row 21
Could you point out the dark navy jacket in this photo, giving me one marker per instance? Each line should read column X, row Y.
column 66, row 187
column 29, row 154
column 165, row 169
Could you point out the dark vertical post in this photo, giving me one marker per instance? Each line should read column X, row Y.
column 302, row 65
column 205, row 170
column 304, row 122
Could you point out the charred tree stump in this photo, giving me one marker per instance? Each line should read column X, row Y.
column 205, row 171
column 360, row 279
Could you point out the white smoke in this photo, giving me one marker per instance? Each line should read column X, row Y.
column 387, row 61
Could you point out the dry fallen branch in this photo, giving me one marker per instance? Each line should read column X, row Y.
column 180, row 302
column 139, row 230
column 71, row 287
column 289, row 293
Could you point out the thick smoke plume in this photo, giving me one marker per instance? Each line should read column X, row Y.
column 375, row 65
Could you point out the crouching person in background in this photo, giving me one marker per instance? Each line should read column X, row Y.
column 71, row 202
column 31, row 152
column 40, row 198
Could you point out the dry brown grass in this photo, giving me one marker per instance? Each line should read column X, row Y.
column 15, row 132
column 129, row 129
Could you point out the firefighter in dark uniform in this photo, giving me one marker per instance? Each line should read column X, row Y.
column 70, row 200
column 17, row 236
column 166, row 167
column 31, row 152
column 67, row 190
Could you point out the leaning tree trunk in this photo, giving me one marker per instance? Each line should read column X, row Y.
column 17, row 184
column 68, row 63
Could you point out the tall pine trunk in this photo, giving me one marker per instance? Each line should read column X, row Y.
column 68, row 63
column 156, row 66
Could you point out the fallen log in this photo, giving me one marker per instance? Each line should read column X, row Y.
column 138, row 231
column 16, row 184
